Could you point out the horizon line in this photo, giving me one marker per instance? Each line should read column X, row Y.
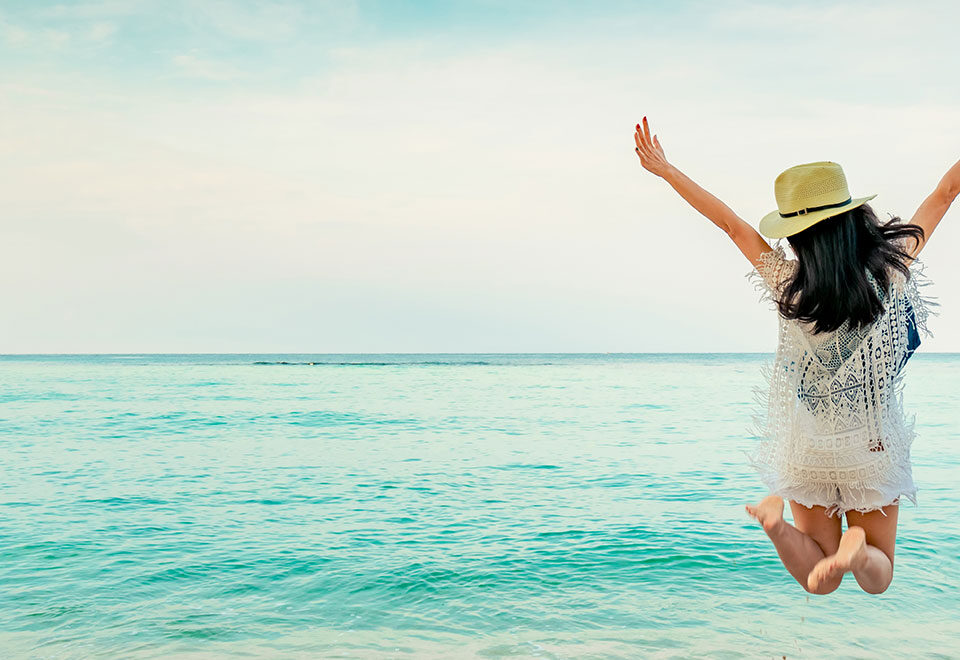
column 3, row 355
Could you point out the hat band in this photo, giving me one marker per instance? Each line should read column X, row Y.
column 816, row 208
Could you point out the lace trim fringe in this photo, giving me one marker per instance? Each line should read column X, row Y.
column 923, row 305
column 769, row 264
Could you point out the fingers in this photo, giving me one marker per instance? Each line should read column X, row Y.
column 641, row 147
column 641, row 134
column 651, row 156
column 645, row 143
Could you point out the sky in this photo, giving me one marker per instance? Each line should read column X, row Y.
column 390, row 176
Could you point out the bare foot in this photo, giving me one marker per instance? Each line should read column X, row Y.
column 769, row 512
column 851, row 554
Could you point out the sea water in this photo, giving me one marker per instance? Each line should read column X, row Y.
column 432, row 506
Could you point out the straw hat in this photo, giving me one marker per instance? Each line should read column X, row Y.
column 807, row 194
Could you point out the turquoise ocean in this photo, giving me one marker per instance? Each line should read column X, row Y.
column 432, row 506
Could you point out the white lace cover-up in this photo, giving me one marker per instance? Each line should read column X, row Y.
column 831, row 425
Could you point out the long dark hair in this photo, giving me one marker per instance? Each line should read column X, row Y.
column 830, row 286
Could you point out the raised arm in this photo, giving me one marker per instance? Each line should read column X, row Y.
column 935, row 206
column 750, row 242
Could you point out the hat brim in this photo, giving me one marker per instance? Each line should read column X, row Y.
column 772, row 225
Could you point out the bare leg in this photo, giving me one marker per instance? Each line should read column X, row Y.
column 866, row 550
column 799, row 551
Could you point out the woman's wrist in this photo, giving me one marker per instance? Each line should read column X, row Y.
column 670, row 174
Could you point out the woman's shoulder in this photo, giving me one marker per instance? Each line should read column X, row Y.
column 774, row 269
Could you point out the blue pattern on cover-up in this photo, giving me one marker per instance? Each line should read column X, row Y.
column 913, row 335
column 913, row 342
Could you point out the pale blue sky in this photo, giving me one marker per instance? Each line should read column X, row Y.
column 439, row 176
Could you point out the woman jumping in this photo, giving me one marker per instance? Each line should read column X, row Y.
column 833, row 436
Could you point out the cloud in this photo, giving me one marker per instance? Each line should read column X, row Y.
column 192, row 66
column 101, row 31
column 40, row 36
column 92, row 10
column 259, row 21
column 746, row 17
column 13, row 35
column 21, row 37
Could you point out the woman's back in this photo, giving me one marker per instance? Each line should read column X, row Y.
column 832, row 426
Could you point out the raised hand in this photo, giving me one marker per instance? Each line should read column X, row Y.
column 649, row 150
